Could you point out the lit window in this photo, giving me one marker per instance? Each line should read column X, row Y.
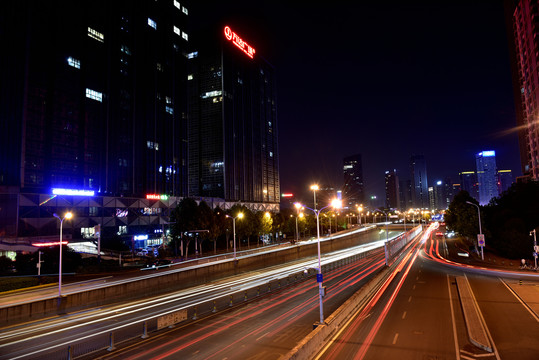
column 168, row 99
column 159, row 67
column 177, row 4
column 185, row 36
column 271, row 154
column 177, row 31
column 192, row 55
column 169, row 110
column 96, row 35
column 152, row 23
column 152, row 145
column 73, row 62
column 125, row 50
column 184, row 10
column 211, row 94
column 190, row 77
column 94, row 95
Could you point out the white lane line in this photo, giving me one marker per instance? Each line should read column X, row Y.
column 410, row 299
column 453, row 322
column 395, row 338
column 404, row 315
column 520, row 300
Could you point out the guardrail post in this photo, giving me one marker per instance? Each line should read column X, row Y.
column 144, row 330
column 69, row 353
column 258, row 291
column 269, row 287
column 214, row 307
column 230, row 303
column 245, row 296
column 111, row 342
column 279, row 283
column 195, row 314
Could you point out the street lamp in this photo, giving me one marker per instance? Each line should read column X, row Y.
column 298, row 206
column 240, row 216
column 534, row 246
column 337, row 204
column 480, row 232
column 68, row 215
column 314, row 188
column 359, row 210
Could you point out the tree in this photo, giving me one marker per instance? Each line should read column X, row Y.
column 205, row 221
column 266, row 223
column 184, row 218
column 462, row 217
column 245, row 227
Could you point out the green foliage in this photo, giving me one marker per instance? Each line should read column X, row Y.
column 462, row 217
column 6, row 266
column 25, row 263
column 510, row 218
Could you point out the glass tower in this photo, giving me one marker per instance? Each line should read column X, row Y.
column 487, row 177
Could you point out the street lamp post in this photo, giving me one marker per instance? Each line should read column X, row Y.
column 480, row 232
column 534, row 247
column 335, row 203
column 67, row 216
column 359, row 210
column 298, row 206
column 314, row 188
column 240, row 216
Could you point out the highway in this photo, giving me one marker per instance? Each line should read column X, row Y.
column 51, row 338
column 419, row 315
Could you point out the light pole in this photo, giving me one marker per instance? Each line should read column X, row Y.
column 534, row 247
column 68, row 215
column 359, row 210
column 314, row 188
column 240, row 216
column 337, row 204
column 298, row 206
column 480, row 232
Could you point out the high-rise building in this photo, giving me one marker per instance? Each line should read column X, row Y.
column 405, row 190
column 468, row 182
column 233, row 150
column 448, row 192
column 524, row 41
column 392, row 189
column 94, row 99
column 418, row 170
column 505, row 180
column 353, row 188
column 487, row 179
column 93, row 104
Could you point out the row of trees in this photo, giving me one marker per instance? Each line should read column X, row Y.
column 506, row 221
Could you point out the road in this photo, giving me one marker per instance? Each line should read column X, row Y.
column 90, row 329
column 419, row 316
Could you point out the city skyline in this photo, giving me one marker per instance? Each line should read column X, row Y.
column 387, row 82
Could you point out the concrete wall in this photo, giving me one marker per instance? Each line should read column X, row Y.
column 176, row 280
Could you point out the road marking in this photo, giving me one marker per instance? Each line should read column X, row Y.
column 413, row 287
column 395, row 338
column 410, row 299
column 403, row 315
column 262, row 336
column 417, row 278
column 520, row 300
column 455, row 338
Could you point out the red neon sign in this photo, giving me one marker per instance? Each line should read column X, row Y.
column 49, row 243
column 286, row 195
column 236, row 40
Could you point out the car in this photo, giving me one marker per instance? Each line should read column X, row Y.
column 439, row 233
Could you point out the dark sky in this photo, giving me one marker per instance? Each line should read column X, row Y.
column 386, row 80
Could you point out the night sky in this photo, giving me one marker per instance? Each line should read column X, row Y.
column 386, row 80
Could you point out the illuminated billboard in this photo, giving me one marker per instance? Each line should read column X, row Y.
column 236, row 40
column 72, row 192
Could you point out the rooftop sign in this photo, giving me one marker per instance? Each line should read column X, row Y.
column 236, row 40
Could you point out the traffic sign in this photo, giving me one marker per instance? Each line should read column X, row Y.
column 319, row 278
column 481, row 240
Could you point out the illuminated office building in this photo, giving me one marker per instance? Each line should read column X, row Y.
column 392, row 189
column 93, row 97
column 418, row 170
column 353, row 188
column 468, row 182
column 233, row 149
column 487, row 178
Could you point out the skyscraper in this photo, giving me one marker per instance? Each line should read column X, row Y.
column 418, row 170
column 353, row 188
column 505, row 180
column 524, row 41
column 233, row 150
column 392, row 189
column 92, row 95
column 468, row 182
column 487, row 179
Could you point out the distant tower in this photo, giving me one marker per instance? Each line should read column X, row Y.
column 353, row 189
column 392, row 190
column 505, row 180
column 486, row 176
column 418, row 170
column 468, row 182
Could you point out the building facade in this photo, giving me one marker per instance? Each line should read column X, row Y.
column 418, row 171
column 233, row 149
column 487, row 178
column 524, row 41
column 353, row 189
column 468, row 182
column 392, row 190
column 505, row 180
